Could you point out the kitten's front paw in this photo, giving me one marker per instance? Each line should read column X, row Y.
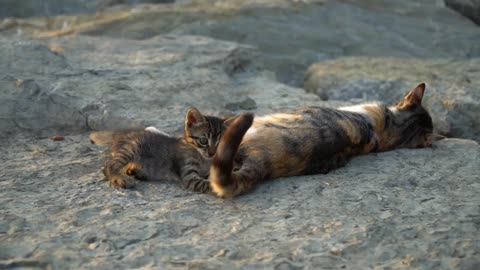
column 123, row 182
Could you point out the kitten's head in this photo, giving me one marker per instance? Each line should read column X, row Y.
column 411, row 122
column 204, row 132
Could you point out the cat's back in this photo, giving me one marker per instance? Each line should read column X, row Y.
column 140, row 142
column 291, row 143
column 303, row 122
column 148, row 144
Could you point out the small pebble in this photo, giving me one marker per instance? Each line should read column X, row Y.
column 93, row 245
column 58, row 138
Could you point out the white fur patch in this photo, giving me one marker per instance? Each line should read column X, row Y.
column 156, row 130
column 251, row 132
column 355, row 108
column 393, row 110
column 360, row 109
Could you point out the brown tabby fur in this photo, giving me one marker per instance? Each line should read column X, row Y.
column 314, row 140
column 151, row 155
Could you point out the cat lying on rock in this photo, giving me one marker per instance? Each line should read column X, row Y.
column 151, row 154
column 230, row 157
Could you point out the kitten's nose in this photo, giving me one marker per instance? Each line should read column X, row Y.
column 211, row 152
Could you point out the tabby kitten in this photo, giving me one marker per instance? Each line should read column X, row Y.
column 153, row 155
column 314, row 140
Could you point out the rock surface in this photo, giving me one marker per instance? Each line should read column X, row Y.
column 468, row 8
column 452, row 95
column 401, row 209
column 35, row 8
column 74, row 84
column 290, row 35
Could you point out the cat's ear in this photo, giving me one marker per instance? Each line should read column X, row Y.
column 430, row 138
column 193, row 117
column 415, row 95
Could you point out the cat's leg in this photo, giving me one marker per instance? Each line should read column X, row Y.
column 114, row 172
column 191, row 178
column 134, row 170
column 193, row 181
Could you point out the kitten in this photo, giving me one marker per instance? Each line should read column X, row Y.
column 153, row 155
column 314, row 140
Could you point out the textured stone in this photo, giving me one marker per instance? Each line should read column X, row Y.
column 35, row 8
column 411, row 208
column 468, row 8
column 102, row 83
column 406, row 208
column 291, row 35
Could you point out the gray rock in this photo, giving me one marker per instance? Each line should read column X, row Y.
column 35, row 8
column 102, row 83
column 412, row 208
column 407, row 208
column 468, row 8
column 290, row 35
column 246, row 104
column 452, row 95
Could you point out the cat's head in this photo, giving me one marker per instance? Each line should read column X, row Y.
column 412, row 123
column 204, row 132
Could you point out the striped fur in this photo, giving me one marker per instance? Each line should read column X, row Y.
column 152, row 155
column 315, row 140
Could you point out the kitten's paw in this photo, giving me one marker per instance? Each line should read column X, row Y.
column 123, row 182
column 197, row 185
column 134, row 171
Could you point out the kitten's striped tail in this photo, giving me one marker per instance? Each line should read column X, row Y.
column 223, row 161
column 102, row 137
column 120, row 167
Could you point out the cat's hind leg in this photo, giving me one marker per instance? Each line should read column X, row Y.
column 134, row 170
column 116, row 173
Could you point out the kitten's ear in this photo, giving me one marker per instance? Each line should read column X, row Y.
column 193, row 117
column 415, row 95
column 430, row 138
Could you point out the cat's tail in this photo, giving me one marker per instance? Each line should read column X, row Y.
column 120, row 169
column 102, row 137
column 223, row 161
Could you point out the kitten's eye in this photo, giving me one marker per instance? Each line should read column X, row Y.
column 202, row 141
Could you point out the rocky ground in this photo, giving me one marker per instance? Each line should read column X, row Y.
column 130, row 67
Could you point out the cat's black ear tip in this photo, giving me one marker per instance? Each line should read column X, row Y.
column 422, row 85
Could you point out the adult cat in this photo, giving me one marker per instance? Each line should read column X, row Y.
column 314, row 140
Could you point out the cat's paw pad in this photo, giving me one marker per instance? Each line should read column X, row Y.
column 130, row 172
